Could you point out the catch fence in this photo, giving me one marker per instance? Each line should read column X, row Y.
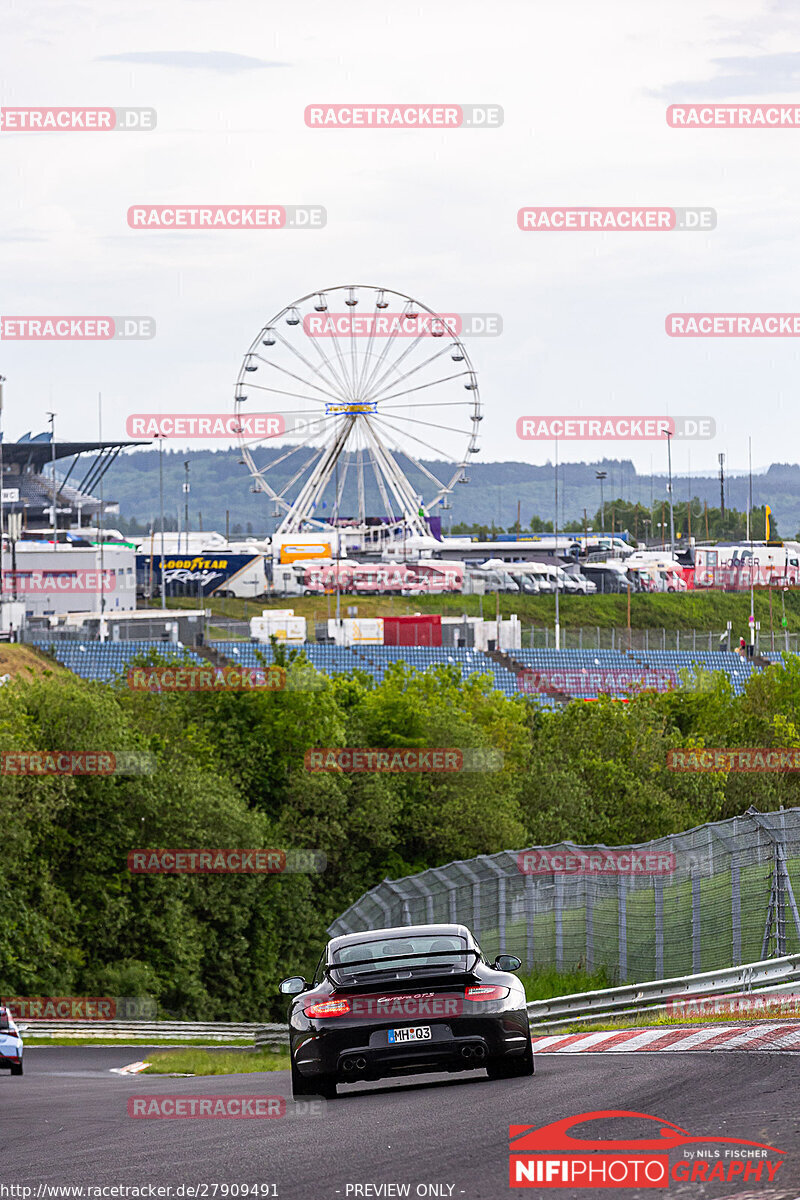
column 597, row 637
column 716, row 896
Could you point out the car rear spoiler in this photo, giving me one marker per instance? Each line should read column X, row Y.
column 372, row 962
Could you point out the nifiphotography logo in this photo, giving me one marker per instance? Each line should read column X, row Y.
column 552, row 1157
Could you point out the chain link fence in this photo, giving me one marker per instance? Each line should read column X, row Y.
column 716, row 896
column 596, row 637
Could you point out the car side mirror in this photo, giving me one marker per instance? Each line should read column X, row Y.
column 507, row 962
column 293, row 986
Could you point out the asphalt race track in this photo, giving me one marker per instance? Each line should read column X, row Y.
column 66, row 1122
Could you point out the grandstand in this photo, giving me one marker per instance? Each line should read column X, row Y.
column 26, row 470
column 563, row 674
column 105, row 661
column 548, row 678
column 375, row 660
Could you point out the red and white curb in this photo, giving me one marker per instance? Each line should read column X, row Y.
column 763, row 1036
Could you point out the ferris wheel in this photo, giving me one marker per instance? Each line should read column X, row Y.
column 375, row 408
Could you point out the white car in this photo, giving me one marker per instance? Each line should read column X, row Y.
column 10, row 1044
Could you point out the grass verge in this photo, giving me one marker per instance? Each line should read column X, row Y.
column 546, row 982
column 216, row 1062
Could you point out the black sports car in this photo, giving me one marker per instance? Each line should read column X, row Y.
column 403, row 1001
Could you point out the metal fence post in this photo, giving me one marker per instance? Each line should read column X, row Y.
column 589, row 896
column 788, row 890
column 658, row 886
column 558, row 910
column 476, row 896
column 501, row 899
column 529, row 915
column 622, row 957
column 780, row 894
column 736, row 915
column 695, row 921
column 452, row 893
column 405, row 918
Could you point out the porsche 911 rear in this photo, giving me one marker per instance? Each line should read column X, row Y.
column 404, row 1001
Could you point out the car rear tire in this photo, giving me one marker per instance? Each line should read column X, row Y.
column 319, row 1085
column 511, row 1068
column 17, row 1070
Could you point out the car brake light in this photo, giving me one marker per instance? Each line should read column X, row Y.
column 329, row 1008
column 486, row 993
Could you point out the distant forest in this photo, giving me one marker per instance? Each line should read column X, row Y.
column 493, row 497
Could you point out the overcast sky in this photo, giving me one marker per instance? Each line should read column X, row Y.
column 584, row 88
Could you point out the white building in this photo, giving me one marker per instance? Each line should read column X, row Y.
column 52, row 582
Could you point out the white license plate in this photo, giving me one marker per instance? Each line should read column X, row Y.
column 415, row 1033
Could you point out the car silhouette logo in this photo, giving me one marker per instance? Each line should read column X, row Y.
column 556, row 1136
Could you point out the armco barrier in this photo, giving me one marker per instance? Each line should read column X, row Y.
column 772, row 975
column 142, row 1031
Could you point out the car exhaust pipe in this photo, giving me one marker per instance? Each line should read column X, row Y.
column 479, row 1052
column 466, row 1051
column 349, row 1064
column 361, row 1064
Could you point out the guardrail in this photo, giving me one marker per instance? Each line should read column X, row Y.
column 636, row 998
column 142, row 1031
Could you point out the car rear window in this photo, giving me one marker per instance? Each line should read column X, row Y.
column 434, row 952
